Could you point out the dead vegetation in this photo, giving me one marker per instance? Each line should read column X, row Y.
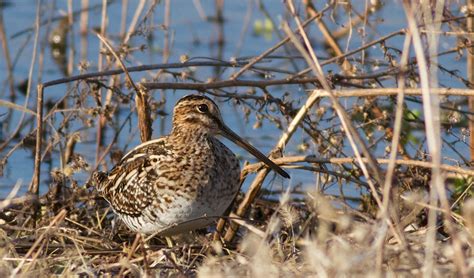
column 373, row 126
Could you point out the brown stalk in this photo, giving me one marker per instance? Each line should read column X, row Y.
column 269, row 51
column 54, row 19
column 345, row 65
column 56, row 220
column 166, row 35
column 133, row 23
column 135, row 244
column 352, row 134
column 145, row 259
column 289, row 160
column 330, row 40
column 34, row 187
column 11, row 196
column 166, row 24
column 255, row 186
column 34, row 256
column 6, row 53
column 34, row 131
column 30, row 78
column 287, row 48
column 433, row 132
column 387, row 187
column 245, row 26
column 225, row 83
column 352, row 52
column 144, row 120
column 354, row 21
column 394, row 91
column 84, row 17
column 102, row 119
column 83, row 26
column 257, row 182
column 93, row 75
column 71, row 46
column 375, row 92
column 123, row 18
column 135, row 260
column 470, row 71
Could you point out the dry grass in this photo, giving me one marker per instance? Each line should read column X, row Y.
column 309, row 237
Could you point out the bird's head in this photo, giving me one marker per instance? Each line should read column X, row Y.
column 199, row 114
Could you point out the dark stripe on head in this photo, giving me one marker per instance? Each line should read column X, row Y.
column 194, row 97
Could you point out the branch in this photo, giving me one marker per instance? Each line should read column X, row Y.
column 352, row 160
column 226, row 83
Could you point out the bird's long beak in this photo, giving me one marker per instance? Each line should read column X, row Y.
column 229, row 134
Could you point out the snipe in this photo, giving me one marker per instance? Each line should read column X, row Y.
column 180, row 182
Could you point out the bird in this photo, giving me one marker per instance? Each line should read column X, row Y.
column 182, row 181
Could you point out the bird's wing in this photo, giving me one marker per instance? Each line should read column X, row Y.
column 130, row 186
column 157, row 147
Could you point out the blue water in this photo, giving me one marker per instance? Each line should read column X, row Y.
column 187, row 28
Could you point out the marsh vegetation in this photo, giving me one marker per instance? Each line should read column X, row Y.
column 367, row 104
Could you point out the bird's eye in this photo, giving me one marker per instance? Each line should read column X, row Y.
column 202, row 108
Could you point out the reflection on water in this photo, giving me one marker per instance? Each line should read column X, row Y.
column 239, row 28
column 58, row 44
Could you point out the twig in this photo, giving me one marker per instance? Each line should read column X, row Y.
column 30, row 75
column 60, row 17
column 56, row 220
column 6, row 53
column 470, row 72
column 287, row 48
column 144, row 120
column 394, row 91
column 352, row 134
column 34, row 186
column 8, row 200
column 135, row 243
column 146, row 68
column 387, row 187
column 463, row 172
column 225, row 84
column 99, row 98
column 330, row 40
column 131, row 27
column 72, row 45
column 257, row 182
column 350, row 53
column 123, row 19
column 83, row 26
column 354, row 21
column 269, row 51
column 433, row 131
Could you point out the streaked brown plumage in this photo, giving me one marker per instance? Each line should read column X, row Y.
column 182, row 181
